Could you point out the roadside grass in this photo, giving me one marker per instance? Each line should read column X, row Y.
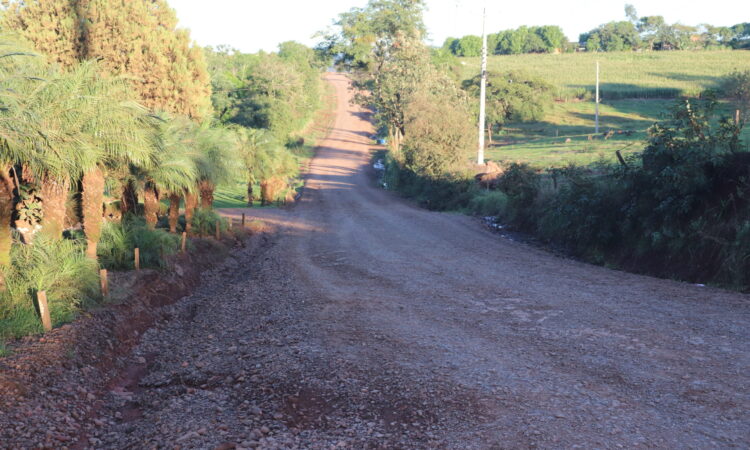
column 545, row 143
column 56, row 266
column 666, row 74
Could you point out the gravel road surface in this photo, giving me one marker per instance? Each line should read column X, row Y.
column 366, row 322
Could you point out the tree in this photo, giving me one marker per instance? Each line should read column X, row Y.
column 133, row 38
column 217, row 162
column 173, row 171
column 361, row 34
column 612, row 37
column 53, row 26
column 631, row 13
column 553, row 38
column 650, row 28
column 439, row 134
column 252, row 143
column 21, row 72
column 167, row 72
column 512, row 96
column 469, row 46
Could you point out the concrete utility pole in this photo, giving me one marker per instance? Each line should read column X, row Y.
column 596, row 127
column 482, row 92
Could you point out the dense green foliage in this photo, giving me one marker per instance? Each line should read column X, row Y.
column 268, row 100
column 362, row 36
column 736, row 86
column 654, row 33
column 120, row 239
column 512, row 97
column 58, row 267
column 166, row 71
column 644, row 33
column 543, row 39
column 204, row 222
column 273, row 91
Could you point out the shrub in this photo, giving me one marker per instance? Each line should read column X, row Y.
column 118, row 241
column 736, row 86
column 204, row 222
column 520, row 182
column 439, row 134
column 489, row 203
column 57, row 266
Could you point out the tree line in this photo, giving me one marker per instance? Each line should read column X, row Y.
column 635, row 33
column 109, row 112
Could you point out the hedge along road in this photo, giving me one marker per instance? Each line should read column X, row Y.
column 368, row 322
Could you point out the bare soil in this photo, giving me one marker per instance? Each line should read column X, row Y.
column 368, row 323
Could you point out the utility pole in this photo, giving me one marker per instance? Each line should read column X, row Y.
column 596, row 127
column 482, row 92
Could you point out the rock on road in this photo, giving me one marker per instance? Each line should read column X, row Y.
column 367, row 322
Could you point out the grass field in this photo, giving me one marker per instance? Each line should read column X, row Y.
column 637, row 89
column 623, row 74
column 545, row 143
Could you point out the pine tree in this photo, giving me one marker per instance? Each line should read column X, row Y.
column 140, row 39
column 137, row 38
column 52, row 25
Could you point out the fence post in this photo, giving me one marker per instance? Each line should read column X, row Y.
column 137, row 258
column 104, row 282
column 243, row 220
column 737, row 117
column 184, row 241
column 218, row 231
column 41, row 297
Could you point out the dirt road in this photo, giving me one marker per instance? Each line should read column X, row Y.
column 368, row 322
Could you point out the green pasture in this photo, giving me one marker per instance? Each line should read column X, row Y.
column 566, row 135
column 623, row 74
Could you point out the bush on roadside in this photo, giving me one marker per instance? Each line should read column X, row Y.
column 118, row 241
column 489, row 203
column 204, row 222
column 56, row 266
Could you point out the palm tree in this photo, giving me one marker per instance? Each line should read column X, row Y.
column 218, row 162
column 250, row 143
column 122, row 130
column 71, row 126
column 274, row 164
column 20, row 72
column 174, row 171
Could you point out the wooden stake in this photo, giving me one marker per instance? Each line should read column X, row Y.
column 184, row 242
column 596, row 124
column 737, row 117
column 104, row 282
column 218, row 231
column 41, row 297
column 137, row 258
column 243, row 220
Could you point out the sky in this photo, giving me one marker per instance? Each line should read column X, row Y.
column 251, row 25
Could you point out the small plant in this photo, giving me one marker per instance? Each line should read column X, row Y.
column 119, row 240
column 489, row 203
column 204, row 222
column 57, row 266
